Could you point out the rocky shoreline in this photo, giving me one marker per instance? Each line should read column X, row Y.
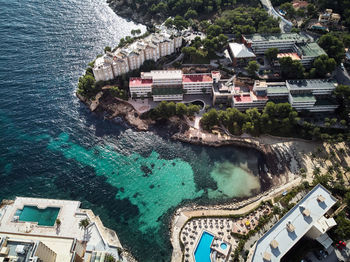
column 123, row 9
column 277, row 162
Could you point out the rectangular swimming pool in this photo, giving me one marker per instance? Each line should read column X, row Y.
column 44, row 217
column 202, row 253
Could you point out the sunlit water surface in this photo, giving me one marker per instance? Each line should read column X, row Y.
column 52, row 146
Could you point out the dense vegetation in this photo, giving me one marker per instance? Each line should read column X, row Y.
column 241, row 20
column 276, row 119
column 280, row 120
column 247, row 20
column 87, row 85
column 162, row 9
column 168, row 109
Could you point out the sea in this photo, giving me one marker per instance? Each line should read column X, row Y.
column 52, row 146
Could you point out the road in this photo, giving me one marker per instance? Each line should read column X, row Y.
column 285, row 25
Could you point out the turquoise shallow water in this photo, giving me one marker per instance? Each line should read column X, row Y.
column 52, row 146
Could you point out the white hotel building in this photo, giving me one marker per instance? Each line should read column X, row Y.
column 306, row 218
column 170, row 84
column 132, row 56
column 297, row 46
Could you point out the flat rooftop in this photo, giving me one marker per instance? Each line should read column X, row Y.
column 194, row 78
column 138, row 81
column 311, row 49
column 62, row 247
column 162, row 74
column 301, row 224
column 304, row 98
column 242, row 99
column 277, row 89
column 312, row 84
column 275, row 37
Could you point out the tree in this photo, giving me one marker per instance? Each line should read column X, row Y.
column 58, row 222
column 324, row 65
column 181, row 109
column 288, row 7
column 84, row 223
column 271, row 54
column 214, row 30
column 333, row 46
column 311, row 10
column 252, row 68
column 192, row 110
column 86, row 86
column 109, row 258
column 107, row 49
column 209, row 119
column 291, row 68
column 191, row 14
column 180, row 23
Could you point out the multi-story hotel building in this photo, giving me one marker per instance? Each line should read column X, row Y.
column 310, row 217
column 170, row 84
column 296, row 46
column 132, row 56
column 308, row 94
column 313, row 95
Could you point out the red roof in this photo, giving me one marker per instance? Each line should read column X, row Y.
column 243, row 99
column 197, row 78
column 138, row 81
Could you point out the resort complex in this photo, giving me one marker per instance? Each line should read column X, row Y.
column 35, row 229
column 313, row 95
column 217, row 238
column 131, row 57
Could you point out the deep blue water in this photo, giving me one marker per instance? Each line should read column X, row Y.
column 52, row 146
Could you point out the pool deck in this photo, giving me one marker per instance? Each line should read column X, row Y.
column 96, row 236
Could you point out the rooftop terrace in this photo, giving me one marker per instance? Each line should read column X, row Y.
column 197, row 78
column 138, row 81
column 311, row 84
column 275, row 37
column 277, row 89
column 311, row 49
column 294, row 225
column 304, row 98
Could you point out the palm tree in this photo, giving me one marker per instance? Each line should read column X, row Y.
column 58, row 222
column 83, row 224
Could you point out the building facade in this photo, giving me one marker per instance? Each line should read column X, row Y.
column 131, row 57
column 312, row 95
column 170, row 84
column 297, row 46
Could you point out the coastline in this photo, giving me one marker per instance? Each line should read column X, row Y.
column 283, row 158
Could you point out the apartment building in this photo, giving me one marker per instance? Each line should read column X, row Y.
column 170, row 84
column 132, row 56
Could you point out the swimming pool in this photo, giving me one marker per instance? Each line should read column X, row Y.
column 44, row 217
column 202, row 253
column 223, row 246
